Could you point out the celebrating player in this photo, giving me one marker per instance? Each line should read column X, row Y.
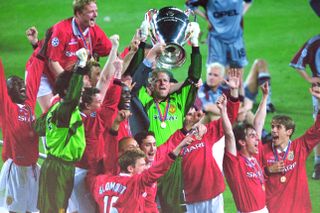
column 20, row 172
column 68, row 36
column 285, row 164
column 242, row 166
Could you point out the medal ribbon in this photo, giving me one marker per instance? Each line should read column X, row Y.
column 88, row 47
column 164, row 116
column 275, row 152
column 256, row 170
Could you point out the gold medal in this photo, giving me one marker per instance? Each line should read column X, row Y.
column 263, row 187
column 163, row 125
column 283, row 179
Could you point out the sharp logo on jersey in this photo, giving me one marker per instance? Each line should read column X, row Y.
column 221, row 14
column 191, row 148
column 55, row 42
column 112, row 186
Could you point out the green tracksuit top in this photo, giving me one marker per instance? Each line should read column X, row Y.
column 67, row 143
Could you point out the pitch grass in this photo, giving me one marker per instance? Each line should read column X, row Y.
column 274, row 30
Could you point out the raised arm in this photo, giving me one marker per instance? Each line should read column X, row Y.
column 189, row 88
column 227, row 127
column 108, row 69
column 71, row 101
column 261, row 113
column 110, row 160
column 32, row 36
column 140, row 76
column 135, row 55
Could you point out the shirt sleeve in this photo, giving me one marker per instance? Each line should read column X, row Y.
column 136, row 60
column 56, row 44
column 5, row 100
column 167, row 147
column 157, row 170
column 311, row 137
column 140, row 77
column 110, row 103
column 300, row 59
column 34, row 72
column 62, row 114
column 215, row 129
column 103, row 44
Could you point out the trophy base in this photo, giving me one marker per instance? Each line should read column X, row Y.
column 173, row 56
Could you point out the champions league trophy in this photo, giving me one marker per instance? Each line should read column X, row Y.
column 169, row 25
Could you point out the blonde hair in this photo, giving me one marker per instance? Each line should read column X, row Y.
column 216, row 65
column 78, row 5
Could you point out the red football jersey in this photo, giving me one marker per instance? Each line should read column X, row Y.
column 21, row 142
column 246, row 182
column 199, row 168
column 95, row 124
column 123, row 192
column 293, row 194
column 66, row 39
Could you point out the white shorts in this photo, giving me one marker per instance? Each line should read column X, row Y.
column 19, row 186
column 81, row 199
column 264, row 210
column 45, row 88
column 213, row 205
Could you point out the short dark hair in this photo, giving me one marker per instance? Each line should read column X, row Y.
column 240, row 130
column 10, row 81
column 87, row 96
column 89, row 66
column 286, row 121
column 129, row 158
column 62, row 83
column 139, row 137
